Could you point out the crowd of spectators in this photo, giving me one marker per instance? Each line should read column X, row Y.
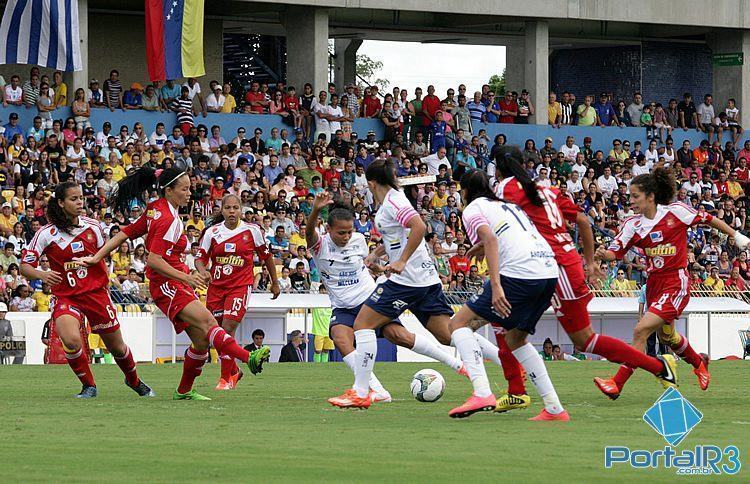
column 277, row 174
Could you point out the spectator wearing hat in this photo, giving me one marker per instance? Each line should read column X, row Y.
column 605, row 111
column 94, row 95
column 215, row 101
column 12, row 127
column 133, row 99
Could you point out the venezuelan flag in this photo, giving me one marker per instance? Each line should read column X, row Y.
column 174, row 39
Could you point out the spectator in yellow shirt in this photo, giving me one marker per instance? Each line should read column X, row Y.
column 734, row 189
column 42, row 298
column 7, row 220
column 713, row 281
column 230, row 104
column 121, row 262
column 620, row 286
column 196, row 222
column 298, row 239
column 554, row 110
column 440, row 198
column 118, row 172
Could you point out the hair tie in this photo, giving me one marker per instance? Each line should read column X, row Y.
column 157, row 173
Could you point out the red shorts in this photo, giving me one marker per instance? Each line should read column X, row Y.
column 667, row 295
column 171, row 297
column 228, row 303
column 95, row 306
column 572, row 297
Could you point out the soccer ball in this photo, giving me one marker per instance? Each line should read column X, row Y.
column 427, row 385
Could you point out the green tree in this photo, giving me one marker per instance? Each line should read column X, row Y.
column 368, row 69
column 497, row 83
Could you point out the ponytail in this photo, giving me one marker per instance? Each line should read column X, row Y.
column 509, row 162
column 137, row 185
column 660, row 183
column 55, row 213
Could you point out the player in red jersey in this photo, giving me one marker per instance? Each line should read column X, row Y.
column 549, row 210
column 660, row 229
column 78, row 292
column 229, row 246
column 170, row 282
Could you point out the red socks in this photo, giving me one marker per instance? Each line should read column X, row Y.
column 191, row 368
column 622, row 376
column 686, row 352
column 228, row 367
column 226, row 345
column 79, row 363
column 127, row 365
column 618, row 351
column 511, row 367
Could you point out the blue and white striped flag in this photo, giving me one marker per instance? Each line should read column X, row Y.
column 42, row 32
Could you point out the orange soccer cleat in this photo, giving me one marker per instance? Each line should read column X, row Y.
column 545, row 415
column 224, row 385
column 236, row 378
column 704, row 377
column 607, row 387
column 350, row 399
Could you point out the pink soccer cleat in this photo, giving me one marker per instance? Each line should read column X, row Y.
column 473, row 405
column 350, row 399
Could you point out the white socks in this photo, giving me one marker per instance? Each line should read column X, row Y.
column 424, row 346
column 489, row 350
column 367, row 351
column 529, row 358
column 375, row 384
column 471, row 354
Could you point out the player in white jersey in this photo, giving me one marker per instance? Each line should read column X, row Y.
column 523, row 277
column 341, row 256
column 413, row 284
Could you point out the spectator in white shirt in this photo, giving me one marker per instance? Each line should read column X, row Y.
column 434, row 161
column 607, row 183
column 215, row 100
column 13, row 92
column 570, row 149
column 692, row 186
column 158, row 137
column 642, row 167
column 574, row 183
column 706, row 115
column 543, row 179
column 579, row 167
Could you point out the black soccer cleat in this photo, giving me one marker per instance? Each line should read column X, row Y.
column 87, row 392
column 142, row 389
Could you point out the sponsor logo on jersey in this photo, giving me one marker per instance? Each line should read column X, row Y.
column 664, row 250
column 76, row 246
column 656, row 236
column 70, row 266
column 229, row 247
column 29, row 258
column 231, row 260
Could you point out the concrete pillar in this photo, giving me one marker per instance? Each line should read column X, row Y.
column 515, row 67
column 306, row 47
column 345, row 62
column 536, row 72
column 77, row 79
column 730, row 81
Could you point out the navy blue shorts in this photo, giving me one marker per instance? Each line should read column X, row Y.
column 346, row 316
column 392, row 299
column 528, row 298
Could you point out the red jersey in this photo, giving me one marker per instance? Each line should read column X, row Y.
column 548, row 219
column 231, row 253
column 507, row 106
column 165, row 235
column 258, row 96
column 61, row 247
column 430, row 105
column 663, row 238
column 292, row 103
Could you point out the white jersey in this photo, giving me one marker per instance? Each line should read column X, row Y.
column 524, row 254
column 343, row 271
column 391, row 220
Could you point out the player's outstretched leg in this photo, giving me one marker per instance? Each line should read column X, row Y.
column 529, row 358
column 398, row 335
column 649, row 322
column 679, row 344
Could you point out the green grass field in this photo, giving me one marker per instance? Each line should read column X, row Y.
column 278, row 428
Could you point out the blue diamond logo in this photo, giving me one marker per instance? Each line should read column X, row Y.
column 672, row 416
